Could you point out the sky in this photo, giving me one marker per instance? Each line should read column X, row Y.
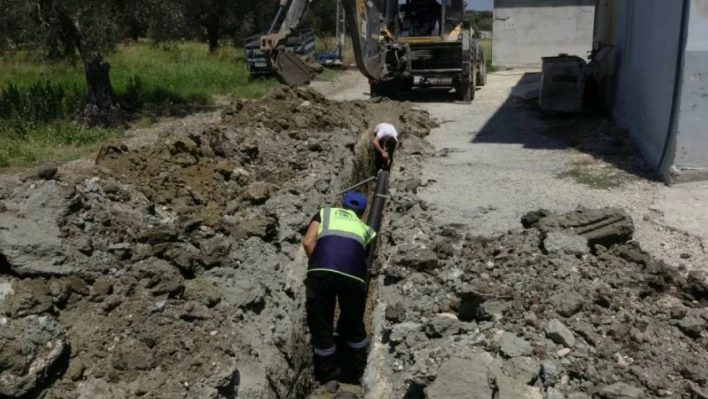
column 486, row 5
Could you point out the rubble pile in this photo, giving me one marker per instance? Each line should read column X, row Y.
column 567, row 307
column 297, row 109
column 173, row 270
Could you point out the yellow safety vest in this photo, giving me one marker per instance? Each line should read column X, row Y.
column 341, row 244
column 344, row 223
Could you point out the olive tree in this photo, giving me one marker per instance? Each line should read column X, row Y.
column 64, row 28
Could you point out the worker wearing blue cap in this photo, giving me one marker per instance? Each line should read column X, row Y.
column 335, row 243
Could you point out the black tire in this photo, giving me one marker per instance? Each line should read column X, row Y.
column 406, row 83
column 387, row 89
column 482, row 73
column 473, row 84
column 373, row 90
column 466, row 87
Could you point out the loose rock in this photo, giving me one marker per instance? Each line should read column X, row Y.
column 559, row 333
column 512, row 346
column 524, row 369
column 621, row 390
column 563, row 242
column 396, row 313
column 443, row 325
column 462, row 378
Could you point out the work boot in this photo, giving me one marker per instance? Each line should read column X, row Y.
column 326, row 369
column 353, row 364
column 331, row 386
column 359, row 358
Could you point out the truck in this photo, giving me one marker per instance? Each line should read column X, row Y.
column 387, row 51
column 301, row 43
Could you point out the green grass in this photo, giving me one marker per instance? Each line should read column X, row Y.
column 487, row 50
column 168, row 72
column 187, row 71
column 54, row 141
column 38, row 99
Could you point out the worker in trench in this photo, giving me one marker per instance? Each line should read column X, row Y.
column 385, row 143
column 336, row 242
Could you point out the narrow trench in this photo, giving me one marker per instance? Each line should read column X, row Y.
column 363, row 168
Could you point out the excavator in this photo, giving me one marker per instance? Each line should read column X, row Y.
column 388, row 48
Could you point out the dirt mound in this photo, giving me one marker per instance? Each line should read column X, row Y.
column 174, row 270
column 567, row 307
column 289, row 109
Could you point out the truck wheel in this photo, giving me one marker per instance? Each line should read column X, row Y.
column 467, row 87
column 406, row 83
column 373, row 90
column 384, row 89
column 473, row 84
column 482, row 72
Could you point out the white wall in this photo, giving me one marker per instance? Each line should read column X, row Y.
column 526, row 30
column 691, row 144
column 646, row 35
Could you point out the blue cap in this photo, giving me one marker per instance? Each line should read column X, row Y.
column 355, row 201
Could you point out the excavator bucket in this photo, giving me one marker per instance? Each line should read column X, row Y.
column 291, row 69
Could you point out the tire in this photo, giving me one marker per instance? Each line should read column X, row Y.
column 473, row 84
column 373, row 90
column 387, row 89
column 482, row 73
column 406, row 83
column 467, row 87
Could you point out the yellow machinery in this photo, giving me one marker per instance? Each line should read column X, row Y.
column 389, row 47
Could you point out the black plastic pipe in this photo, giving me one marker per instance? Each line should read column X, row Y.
column 376, row 214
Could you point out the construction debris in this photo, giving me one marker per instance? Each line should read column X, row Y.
column 605, row 321
column 175, row 270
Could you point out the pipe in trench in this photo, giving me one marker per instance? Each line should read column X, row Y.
column 375, row 215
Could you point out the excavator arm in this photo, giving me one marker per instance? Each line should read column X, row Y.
column 373, row 46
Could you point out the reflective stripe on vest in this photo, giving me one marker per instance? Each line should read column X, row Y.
column 344, row 223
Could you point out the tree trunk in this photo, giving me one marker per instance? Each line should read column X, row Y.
column 96, row 69
column 102, row 108
column 212, row 28
column 98, row 79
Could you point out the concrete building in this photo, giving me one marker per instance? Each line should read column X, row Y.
column 655, row 80
column 526, row 30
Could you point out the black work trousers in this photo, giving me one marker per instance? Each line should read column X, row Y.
column 389, row 144
column 344, row 359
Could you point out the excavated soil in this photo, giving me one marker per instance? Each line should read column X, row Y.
column 570, row 306
column 174, row 270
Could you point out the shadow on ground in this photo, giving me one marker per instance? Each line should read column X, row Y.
column 440, row 95
column 614, row 159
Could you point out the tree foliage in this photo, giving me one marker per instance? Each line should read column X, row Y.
column 64, row 28
column 481, row 20
column 84, row 30
column 321, row 17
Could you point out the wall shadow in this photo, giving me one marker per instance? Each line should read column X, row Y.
column 440, row 95
column 542, row 3
column 591, row 132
